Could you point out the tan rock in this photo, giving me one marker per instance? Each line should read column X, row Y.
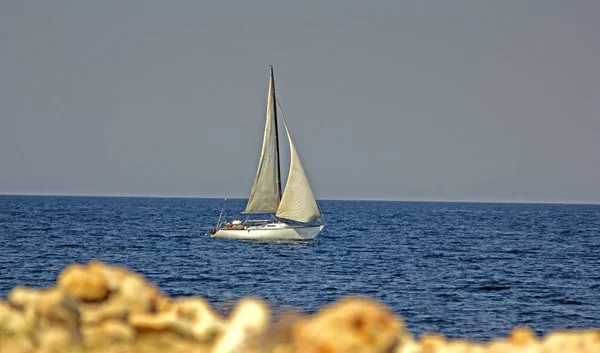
column 500, row 346
column 25, row 300
column 102, row 308
column 22, row 297
column 111, row 309
column 130, row 294
column 17, row 344
column 572, row 341
column 196, row 318
column 189, row 317
column 408, row 345
column 249, row 320
column 522, row 336
column 113, row 274
column 134, row 291
column 12, row 321
column 166, row 342
column 107, row 332
column 152, row 322
column 52, row 339
column 431, row 343
column 84, row 283
column 279, row 337
column 56, row 310
column 355, row 324
column 47, row 309
column 461, row 346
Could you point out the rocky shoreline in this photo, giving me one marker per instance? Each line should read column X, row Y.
column 102, row 308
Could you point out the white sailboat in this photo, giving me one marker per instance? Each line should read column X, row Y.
column 297, row 202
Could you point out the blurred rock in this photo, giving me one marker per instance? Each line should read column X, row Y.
column 195, row 318
column 248, row 322
column 571, row 341
column 522, row 336
column 84, row 283
column 356, row 324
column 107, row 332
column 12, row 321
column 16, row 344
column 101, row 308
column 52, row 339
column 111, row 309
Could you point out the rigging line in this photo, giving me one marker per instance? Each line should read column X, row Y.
column 281, row 109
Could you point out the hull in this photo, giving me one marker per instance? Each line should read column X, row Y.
column 288, row 233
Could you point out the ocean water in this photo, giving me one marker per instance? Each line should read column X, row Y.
column 470, row 270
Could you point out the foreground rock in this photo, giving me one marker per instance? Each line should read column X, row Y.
column 102, row 308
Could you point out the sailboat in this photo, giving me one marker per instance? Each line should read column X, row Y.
column 296, row 214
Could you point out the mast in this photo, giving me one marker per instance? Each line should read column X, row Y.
column 276, row 133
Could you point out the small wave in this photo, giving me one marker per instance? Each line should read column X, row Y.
column 70, row 245
column 433, row 255
column 493, row 288
column 519, row 251
column 567, row 301
column 359, row 229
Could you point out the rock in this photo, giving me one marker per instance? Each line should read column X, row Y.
column 194, row 317
column 500, row 346
column 113, row 274
column 138, row 295
column 152, row 322
column 408, row 346
column 25, row 299
column 431, row 343
column 12, row 321
column 51, row 315
column 129, row 294
column 52, row 339
column 522, row 336
column 107, row 332
column 84, row 283
column 111, row 309
column 101, row 308
column 57, row 317
column 249, row 320
column 356, row 324
column 22, row 297
column 190, row 317
column 572, row 341
column 16, row 344
column 279, row 336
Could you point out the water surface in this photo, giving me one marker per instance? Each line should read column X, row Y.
column 471, row 270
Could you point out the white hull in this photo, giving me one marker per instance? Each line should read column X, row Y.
column 260, row 233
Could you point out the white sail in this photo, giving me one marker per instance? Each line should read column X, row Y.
column 265, row 197
column 298, row 202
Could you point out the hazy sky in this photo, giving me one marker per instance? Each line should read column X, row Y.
column 407, row 100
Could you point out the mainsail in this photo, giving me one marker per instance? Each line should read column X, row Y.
column 265, row 194
column 298, row 202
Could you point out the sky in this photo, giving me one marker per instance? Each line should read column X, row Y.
column 386, row 100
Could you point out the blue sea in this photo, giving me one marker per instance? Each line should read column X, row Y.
column 470, row 270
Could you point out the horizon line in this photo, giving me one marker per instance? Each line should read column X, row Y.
column 322, row 199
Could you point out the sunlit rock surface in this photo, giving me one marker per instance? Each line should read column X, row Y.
column 101, row 308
